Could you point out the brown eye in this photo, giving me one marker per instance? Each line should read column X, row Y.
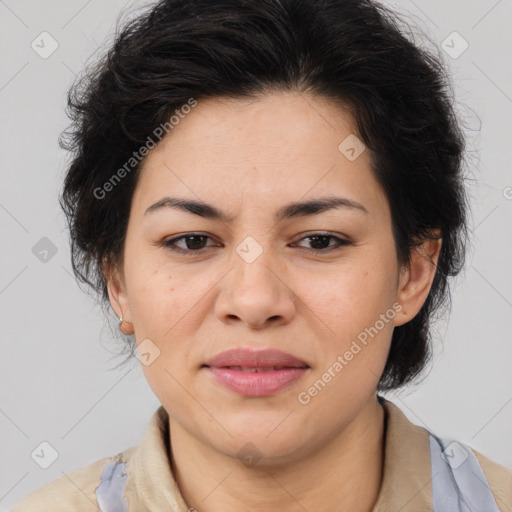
column 321, row 242
column 193, row 242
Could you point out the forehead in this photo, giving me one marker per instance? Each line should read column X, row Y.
column 281, row 146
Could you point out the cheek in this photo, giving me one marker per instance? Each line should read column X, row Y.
column 352, row 356
column 351, row 297
column 160, row 295
column 356, row 303
column 163, row 303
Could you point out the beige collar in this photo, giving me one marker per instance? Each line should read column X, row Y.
column 407, row 476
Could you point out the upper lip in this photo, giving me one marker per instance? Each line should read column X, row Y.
column 252, row 358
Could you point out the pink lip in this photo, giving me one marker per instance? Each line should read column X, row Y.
column 260, row 383
column 255, row 358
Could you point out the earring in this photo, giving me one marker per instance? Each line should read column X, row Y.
column 123, row 326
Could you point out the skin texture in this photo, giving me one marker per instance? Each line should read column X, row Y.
column 249, row 158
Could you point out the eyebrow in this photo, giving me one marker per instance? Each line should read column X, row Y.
column 291, row 210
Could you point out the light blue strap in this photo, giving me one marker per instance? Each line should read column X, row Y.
column 458, row 482
column 110, row 492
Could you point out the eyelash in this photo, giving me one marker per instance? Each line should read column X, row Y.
column 170, row 244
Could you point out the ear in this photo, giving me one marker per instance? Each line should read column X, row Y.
column 117, row 291
column 416, row 278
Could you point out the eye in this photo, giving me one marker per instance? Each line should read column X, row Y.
column 320, row 241
column 195, row 243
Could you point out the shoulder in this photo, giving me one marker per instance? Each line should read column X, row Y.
column 436, row 470
column 500, row 480
column 74, row 491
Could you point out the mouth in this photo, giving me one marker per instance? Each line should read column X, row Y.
column 255, row 373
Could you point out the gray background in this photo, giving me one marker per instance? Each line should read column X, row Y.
column 57, row 349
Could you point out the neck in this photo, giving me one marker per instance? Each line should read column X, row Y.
column 344, row 474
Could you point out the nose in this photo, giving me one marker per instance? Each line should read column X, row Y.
column 256, row 293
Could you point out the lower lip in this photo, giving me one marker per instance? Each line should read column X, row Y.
column 256, row 384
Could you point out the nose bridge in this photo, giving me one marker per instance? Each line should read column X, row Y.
column 256, row 264
column 253, row 247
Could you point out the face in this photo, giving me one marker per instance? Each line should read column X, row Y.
column 254, row 279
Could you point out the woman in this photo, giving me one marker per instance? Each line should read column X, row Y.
column 270, row 196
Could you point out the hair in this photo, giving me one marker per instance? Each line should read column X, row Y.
column 351, row 51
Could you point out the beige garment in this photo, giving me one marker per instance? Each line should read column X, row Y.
column 406, row 484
